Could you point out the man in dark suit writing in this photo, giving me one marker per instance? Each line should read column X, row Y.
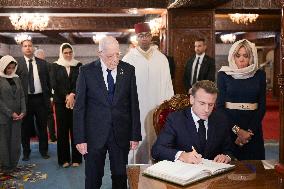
column 34, row 76
column 200, row 66
column 106, row 115
column 197, row 131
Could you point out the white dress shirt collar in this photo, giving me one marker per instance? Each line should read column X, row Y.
column 104, row 67
column 201, row 57
column 104, row 70
column 196, row 119
column 37, row 83
column 27, row 59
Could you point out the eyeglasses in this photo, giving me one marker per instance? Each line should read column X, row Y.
column 112, row 56
column 145, row 35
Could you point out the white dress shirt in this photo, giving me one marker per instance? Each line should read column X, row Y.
column 195, row 119
column 38, row 88
column 199, row 65
column 104, row 70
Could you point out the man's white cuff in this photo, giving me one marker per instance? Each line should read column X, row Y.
column 177, row 155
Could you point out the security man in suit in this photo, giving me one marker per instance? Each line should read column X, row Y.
column 106, row 115
column 200, row 66
column 34, row 76
column 197, row 131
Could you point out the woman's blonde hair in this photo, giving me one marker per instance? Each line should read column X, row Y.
column 248, row 50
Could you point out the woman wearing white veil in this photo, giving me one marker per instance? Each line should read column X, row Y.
column 12, row 111
column 64, row 75
column 242, row 95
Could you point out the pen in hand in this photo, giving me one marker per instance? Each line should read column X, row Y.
column 193, row 149
column 196, row 155
column 190, row 157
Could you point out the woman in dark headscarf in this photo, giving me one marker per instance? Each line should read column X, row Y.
column 12, row 111
column 64, row 75
column 242, row 95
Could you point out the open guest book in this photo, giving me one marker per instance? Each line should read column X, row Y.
column 184, row 173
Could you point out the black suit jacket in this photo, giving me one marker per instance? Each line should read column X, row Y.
column 206, row 72
column 171, row 65
column 180, row 134
column 61, row 83
column 23, row 73
column 94, row 117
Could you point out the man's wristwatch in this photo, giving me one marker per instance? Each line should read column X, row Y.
column 236, row 129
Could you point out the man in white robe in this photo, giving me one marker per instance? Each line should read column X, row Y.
column 154, row 85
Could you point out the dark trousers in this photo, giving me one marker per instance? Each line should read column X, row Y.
column 50, row 124
column 95, row 162
column 36, row 107
column 64, row 120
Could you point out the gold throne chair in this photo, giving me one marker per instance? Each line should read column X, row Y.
column 177, row 102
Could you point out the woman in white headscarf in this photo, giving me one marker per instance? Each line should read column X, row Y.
column 242, row 95
column 64, row 75
column 12, row 111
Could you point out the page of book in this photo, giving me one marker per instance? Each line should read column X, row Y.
column 185, row 173
column 214, row 167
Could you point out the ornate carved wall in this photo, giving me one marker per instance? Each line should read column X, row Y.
column 281, row 85
column 252, row 4
column 184, row 27
column 83, row 3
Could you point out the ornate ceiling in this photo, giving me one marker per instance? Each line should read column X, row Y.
column 79, row 18
column 82, row 16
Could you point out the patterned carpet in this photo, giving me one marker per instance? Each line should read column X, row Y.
column 22, row 174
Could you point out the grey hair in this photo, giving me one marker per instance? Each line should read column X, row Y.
column 106, row 41
column 38, row 51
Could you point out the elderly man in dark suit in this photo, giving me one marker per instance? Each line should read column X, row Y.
column 106, row 115
column 200, row 66
column 34, row 76
column 39, row 53
column 197, row 131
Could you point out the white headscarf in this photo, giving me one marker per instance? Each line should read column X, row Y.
column 242, row 73
column 4, row 62
column 61, row 61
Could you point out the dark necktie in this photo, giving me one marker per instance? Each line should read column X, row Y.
column 202, row 135
column 31, row 77
column 195, row 76
column 110, row 83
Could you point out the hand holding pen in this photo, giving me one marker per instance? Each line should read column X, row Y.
column 191, row 157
